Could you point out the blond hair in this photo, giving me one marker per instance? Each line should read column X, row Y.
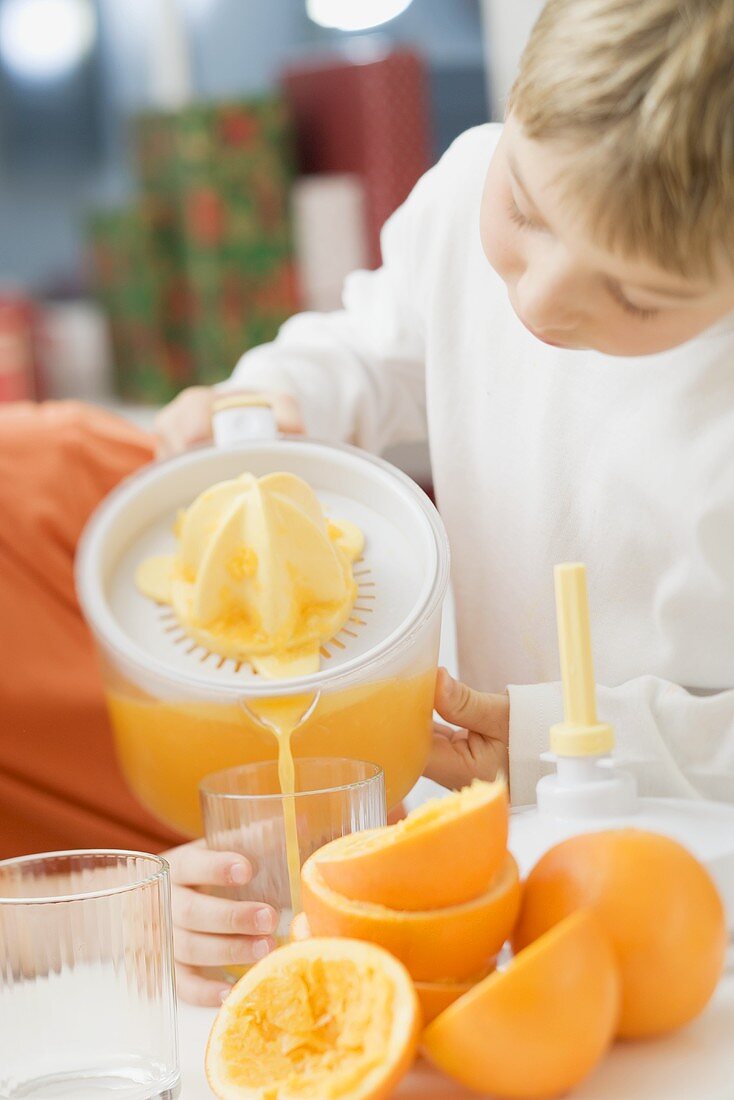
column 642, row 92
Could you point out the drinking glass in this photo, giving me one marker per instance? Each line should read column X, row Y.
column 243, row 811
column 87, row 1001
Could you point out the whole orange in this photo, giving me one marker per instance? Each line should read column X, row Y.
column 660, row 908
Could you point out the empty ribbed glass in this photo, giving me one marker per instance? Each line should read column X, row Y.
column 243, row 811
column 87, row 1001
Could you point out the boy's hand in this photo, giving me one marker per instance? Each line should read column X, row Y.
column 188, row 419
column 212, row 931
column 479, row 750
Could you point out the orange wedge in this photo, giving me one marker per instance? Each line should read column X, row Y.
column 539, row 1027
column 315, row 1019
column 459, row 940
column 660, row 909
column 444, row 853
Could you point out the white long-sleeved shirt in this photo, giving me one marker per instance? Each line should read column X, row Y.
column 543, row 455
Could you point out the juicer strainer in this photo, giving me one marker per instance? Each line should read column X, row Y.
column 401, row 578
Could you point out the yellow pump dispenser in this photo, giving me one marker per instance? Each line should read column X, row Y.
column 580, row 734
column 585, row 789
column 585, row 784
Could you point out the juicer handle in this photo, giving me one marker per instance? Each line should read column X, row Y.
column 242, row 417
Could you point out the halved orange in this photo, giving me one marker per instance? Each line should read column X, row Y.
column 539, row 1027
column 444, row 853
column 435, row 997
column 315, row 1019
column 458, row 940
column 660, row 908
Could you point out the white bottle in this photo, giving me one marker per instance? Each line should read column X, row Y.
column 587, row 793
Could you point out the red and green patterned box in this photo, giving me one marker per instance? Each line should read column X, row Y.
column 201, row 267
column 215, row 199
column 128, row 290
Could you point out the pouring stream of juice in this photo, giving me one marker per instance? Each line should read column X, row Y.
column 282, row 717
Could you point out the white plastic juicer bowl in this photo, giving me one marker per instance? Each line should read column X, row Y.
column 179, row 711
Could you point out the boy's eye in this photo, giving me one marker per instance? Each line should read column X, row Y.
column 517, row 216
column 636, row 311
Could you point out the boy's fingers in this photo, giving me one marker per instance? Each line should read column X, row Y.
column 204, row 913
column 474, row 710
column 196, row 990
column 187, row 420
column 449, row 732
column 446, row 766
column 198, row 949
column 196, row 865
column 287, row 413
column 455, row 762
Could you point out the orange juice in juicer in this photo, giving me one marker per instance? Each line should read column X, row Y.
column 180, row 710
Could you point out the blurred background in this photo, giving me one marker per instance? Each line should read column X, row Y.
column 178, row 176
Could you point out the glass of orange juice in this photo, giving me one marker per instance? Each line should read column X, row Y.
column 245, row 810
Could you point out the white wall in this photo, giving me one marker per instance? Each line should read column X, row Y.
column 507, row 25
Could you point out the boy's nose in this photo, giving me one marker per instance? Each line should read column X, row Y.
column 548, row 304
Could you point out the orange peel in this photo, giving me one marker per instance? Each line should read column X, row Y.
column 458, row 940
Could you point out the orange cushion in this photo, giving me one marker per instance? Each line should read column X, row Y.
column 60, row 786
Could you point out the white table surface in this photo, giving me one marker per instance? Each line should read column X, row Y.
column 696, row 1063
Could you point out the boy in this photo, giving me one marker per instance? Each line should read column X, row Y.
column 555, row 310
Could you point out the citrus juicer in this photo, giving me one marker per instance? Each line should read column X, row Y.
column 587, row 792
column 180, row 711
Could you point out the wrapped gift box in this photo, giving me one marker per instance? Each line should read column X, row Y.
column 215, row 199
column 368, row 117
column 128, row 291
column 201, row 267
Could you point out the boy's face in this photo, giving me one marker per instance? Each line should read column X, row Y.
column 565, row 289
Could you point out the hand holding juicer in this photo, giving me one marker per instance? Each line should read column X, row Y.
column 587, row 792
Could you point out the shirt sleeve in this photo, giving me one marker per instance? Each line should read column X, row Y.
column 677, row 744
column 359, row 373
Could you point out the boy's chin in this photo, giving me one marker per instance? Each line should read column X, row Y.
column 604, row 345
column 568, row 342
column 582, row 342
